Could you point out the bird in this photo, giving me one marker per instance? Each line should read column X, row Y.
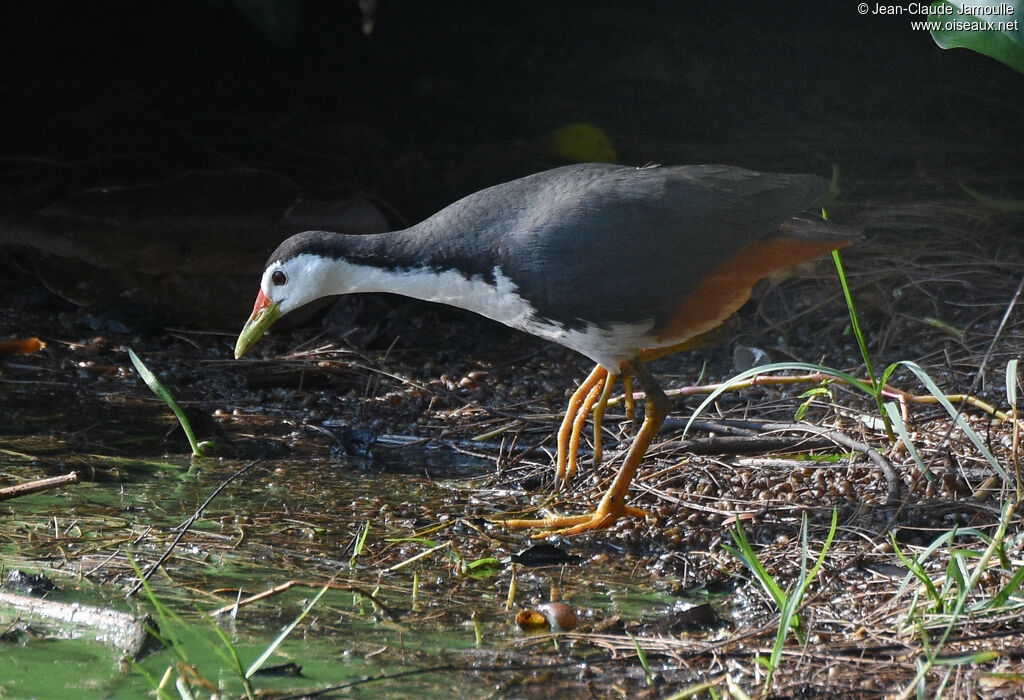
column 621, row 264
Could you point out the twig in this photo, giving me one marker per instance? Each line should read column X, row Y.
column 749, row 444
column 38, row 485
column 184, row 527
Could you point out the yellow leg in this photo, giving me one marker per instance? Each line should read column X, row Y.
column 572, row 462
column 572, row 423
column 599, row 409
column 613, row 504
column 627, row 390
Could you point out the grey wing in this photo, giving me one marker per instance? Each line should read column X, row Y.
column 633, row 244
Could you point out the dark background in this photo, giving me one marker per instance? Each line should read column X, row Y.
column 444, row 98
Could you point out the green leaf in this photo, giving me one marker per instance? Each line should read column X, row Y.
column 978, row 657
column 484, row 568
column 997, row 36
column 746, row 554
column 279, row 640
column 896, row 421
column 918, row 572
column 776, row 367
column 157, row 388
column 360, row 543
column 957, row 417
column 1008, row 590
column 642, row 657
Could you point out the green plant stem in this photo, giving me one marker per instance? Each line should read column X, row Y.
column 160, row 390
column 642, row 656
column 877, row 387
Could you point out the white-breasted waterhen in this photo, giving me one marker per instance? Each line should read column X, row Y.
column 620, row 264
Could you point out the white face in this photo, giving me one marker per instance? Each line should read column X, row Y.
column 298, row 281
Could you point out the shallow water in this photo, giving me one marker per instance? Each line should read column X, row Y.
column 297, row 519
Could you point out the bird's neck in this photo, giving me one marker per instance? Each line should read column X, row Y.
column 399, row 262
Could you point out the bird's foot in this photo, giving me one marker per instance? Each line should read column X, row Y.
column 613, row 504
column 602, row 517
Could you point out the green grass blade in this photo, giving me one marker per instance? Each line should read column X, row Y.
column 735, row 690
column 230, row 655
column 157, row 388
column 1011, row 382
column 858, row 333
column 153, row 680
column 955, row 578
column 996, row 541
column 360, row 544
column 415, row 558
column 1007, row 205
column 977, row 657
column 788, row 616
column 746, row 554
column 269, row 651
column 643, row 658
column 1011, row 587
column 917, row 571
column 957, row 416
column 1012, row 377
column 165, row 616
column 824, row 548
column 896, row 420
column 778, row 367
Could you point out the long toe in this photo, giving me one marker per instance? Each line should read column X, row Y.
column 598, row 519
column 582, row 401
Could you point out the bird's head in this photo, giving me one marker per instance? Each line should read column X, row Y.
column 288, row 283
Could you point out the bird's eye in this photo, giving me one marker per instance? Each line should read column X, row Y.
column 279, row 278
